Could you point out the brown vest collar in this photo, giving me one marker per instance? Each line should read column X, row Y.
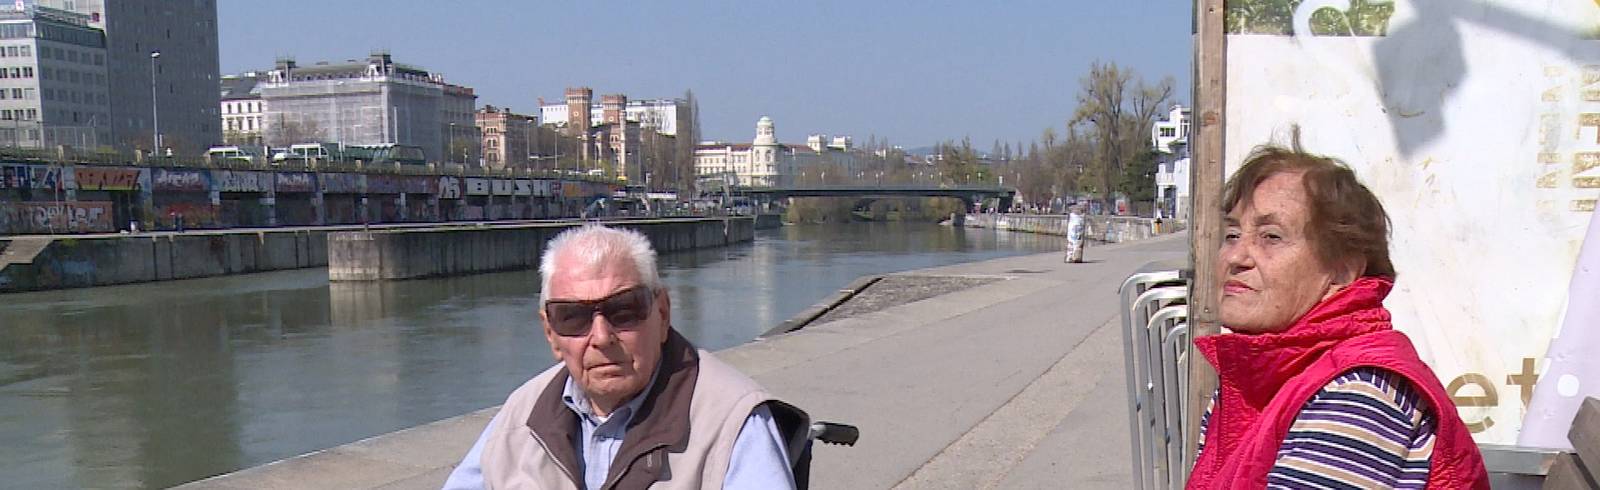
column 660, row 425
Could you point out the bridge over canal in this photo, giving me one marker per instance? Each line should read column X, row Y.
column 968, row 194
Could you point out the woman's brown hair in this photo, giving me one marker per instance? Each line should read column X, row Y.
column 1347, row 220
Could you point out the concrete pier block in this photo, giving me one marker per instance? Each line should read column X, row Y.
column 353, row 256
column 447, row 251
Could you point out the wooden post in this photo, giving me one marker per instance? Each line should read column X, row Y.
column 1580, row 470
column 1205, row 191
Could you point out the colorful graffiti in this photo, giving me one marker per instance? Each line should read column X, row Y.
column 502, row 187
column 546, row 188
column 56, row 217
column 180, row 180
column 296, row 182
column 242, row 181
column 384, row 184
column 477, row 187
column 33, row 177
column 449, row 188
column 110, row 179
column 192, row 214
column 419, row 185
column 341, row 183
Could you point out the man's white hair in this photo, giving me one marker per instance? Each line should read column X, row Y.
column 591, row 245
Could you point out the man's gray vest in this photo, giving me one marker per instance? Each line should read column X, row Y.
column 681, row 437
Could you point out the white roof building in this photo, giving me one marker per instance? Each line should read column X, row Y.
column 1170, row 137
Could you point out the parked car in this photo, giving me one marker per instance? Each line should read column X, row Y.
column 231, row 153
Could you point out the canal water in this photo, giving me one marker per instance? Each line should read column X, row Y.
column 157, row 384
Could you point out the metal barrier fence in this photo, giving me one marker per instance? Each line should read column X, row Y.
column 1155, row 348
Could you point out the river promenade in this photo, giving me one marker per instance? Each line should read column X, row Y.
column 1014, row 383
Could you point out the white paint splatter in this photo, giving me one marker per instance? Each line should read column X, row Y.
column 1567, row 385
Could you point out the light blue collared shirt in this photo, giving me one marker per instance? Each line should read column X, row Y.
column 760, row 460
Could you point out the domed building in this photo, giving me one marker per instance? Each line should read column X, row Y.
column 764, row 162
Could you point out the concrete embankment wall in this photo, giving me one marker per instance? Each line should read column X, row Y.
column 46, row 263
column 63, row 263
column 1110, row 229
column 768, row 221
column 418, row 253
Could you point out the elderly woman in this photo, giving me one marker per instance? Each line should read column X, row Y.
column 1316, row 388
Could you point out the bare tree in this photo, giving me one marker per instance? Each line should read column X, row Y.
column 688, row 138
column 1117, row 108
column 285, row 132
column 1037, row 180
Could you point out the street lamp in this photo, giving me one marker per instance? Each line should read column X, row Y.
column 155, row 116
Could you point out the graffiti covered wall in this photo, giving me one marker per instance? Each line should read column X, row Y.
column 55, row 217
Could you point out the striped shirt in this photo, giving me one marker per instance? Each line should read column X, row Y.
column 1368, row 428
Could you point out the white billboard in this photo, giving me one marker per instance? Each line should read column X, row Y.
column 1478, row 125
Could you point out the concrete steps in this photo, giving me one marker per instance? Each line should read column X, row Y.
column 22, row 250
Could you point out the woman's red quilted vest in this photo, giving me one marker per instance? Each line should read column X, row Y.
column 1265, row 379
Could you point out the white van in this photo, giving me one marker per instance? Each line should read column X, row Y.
column 229, row 153
column 303, row 152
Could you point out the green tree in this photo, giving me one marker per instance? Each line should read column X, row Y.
column 1138, row 179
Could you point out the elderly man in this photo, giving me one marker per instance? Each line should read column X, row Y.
column 631, row 404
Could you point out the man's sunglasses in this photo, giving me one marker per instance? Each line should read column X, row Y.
column 624, row 310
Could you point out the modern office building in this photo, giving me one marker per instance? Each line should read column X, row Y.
column 185, row 75
column 53, row 79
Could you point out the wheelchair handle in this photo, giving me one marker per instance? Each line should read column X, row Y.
column 833, row 433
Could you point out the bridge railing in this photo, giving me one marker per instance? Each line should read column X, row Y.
column 873, row 187
column 72, row 156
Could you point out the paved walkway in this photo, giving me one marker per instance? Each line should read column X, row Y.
column 1013, row 384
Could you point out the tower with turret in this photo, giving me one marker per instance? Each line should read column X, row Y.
column 764, row 154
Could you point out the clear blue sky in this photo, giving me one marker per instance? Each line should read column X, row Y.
column 914, row 72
